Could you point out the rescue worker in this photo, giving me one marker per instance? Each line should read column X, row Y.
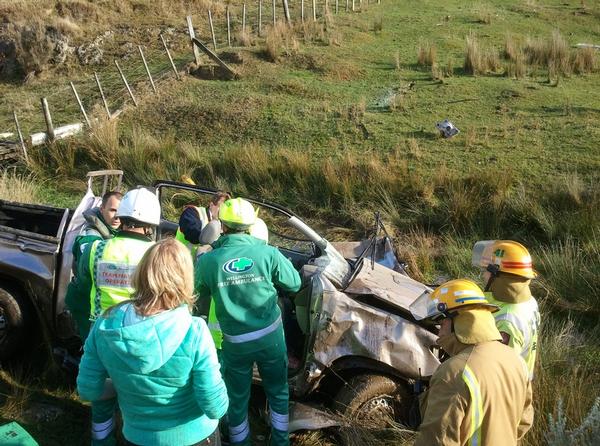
column 507, row 273
column 101, row 223
column 107, row 267
column 481, row 395
column 260, row 231
column 161, row 360
column 241, row 273
column 195, row 218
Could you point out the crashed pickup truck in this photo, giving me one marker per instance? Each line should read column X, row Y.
column 352, row 341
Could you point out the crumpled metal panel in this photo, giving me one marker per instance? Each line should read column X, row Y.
column 33, row 263
column 386, row 284
column 351, row 328
column 306, row 417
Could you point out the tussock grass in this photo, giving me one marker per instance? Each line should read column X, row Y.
column 566, row 369
column 427, row 54
column 584, row 60
column 473, row 57
column 512, row 47
column 19, row 187
column 553, row 53
column 280, row 40
column 479, row 59
column 484, row 13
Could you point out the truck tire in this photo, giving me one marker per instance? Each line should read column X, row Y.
column 375, row 400
column 14, row 320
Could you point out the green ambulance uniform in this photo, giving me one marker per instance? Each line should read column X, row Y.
column 77, row 298
column 241, row 273
column 107, row 267
column 213, row 323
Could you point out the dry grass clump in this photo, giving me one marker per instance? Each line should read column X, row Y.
column 21, row 188
column 473, row 57
column 484, row 13
column 426, row 54
column 244, row 38
column 584, row 60
column 33, row 47
column 553, row 53
column 517, row 68
column 478, row 59
column 512, row 47
column 280, row 40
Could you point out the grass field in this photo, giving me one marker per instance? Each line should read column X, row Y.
column 337, row 120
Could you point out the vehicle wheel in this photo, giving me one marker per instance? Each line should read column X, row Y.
column 375, row 400
column 14, row 319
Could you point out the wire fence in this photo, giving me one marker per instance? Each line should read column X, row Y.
column 252, row 17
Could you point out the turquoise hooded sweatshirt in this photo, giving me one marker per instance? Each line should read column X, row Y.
column 165, row 371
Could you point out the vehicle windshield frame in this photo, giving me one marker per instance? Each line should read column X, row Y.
column 160, row 184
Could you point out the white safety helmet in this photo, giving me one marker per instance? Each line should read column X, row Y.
column 259, row 230
column 141, row 205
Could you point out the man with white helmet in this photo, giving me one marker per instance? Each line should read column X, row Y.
column 107, row 267
column 240, row 274
column 481, row 395
column 507, row 273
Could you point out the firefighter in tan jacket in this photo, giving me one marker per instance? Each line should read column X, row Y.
column 481, row 395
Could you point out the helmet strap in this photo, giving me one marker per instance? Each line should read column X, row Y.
column 494, row 270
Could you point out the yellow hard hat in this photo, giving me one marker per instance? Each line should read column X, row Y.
column 187, row 179
column 506, row 256
column 450, row 297
column 237, row 213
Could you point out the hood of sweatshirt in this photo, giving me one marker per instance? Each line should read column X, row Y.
column 143, row 344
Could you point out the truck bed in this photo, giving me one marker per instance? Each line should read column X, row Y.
column 39, row 221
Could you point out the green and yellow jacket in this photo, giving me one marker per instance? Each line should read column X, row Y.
column 241, row 274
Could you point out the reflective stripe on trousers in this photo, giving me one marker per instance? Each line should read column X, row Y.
column 279, row 421
column 238, row 433
column 253, row 335
column 102, row 430
column 476, row 406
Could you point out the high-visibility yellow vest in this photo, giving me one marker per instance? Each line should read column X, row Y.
column 180, row 237
column 521, row 322
column 112, row 264
column 213, row 325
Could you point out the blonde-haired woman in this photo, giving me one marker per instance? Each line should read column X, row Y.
column 162, row 361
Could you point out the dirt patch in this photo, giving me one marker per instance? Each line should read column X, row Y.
column 308, row 62
column 79, row 11
column 208, row 72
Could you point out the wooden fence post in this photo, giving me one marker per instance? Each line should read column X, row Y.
column 192, row 34
column 147, row 69
column 20, row 137
column 353, row 5
column 212, row 30
column 274, row 16
column 244, row 19
column 259, row 17
column 286, row 11
column 85, row 116
column 169, row 56
column 126, row 84
column 302, row 10
column 228, row 27
column 102, row 95
column 48, row 119
column 347, row 5
column 314, row 10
